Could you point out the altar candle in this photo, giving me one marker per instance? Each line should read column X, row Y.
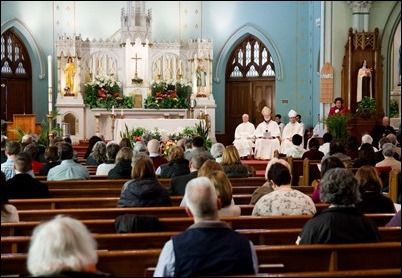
column 49, row 67
column 113, row 109
column 121, row 112
column 205, row 109
column 50, row 97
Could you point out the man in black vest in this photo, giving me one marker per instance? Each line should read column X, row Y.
column 209, row 247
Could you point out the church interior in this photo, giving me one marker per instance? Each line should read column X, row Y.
column 117, row 111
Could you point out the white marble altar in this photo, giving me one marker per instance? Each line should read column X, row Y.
column 130, row 54
column 164, row 126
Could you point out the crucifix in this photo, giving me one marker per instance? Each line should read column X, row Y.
column 136, row 63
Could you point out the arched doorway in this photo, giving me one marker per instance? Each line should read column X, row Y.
column 16, row 77
column 250, row 84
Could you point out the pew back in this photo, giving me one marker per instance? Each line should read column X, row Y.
column 182, row 223
column 113, row 241
column 272, row 259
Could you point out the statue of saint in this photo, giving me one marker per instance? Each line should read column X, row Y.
column 69, row 72
column 201, row 79
column 364, row 84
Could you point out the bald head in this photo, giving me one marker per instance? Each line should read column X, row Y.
column 201, row 199
column 385, row 121
column 245, row 118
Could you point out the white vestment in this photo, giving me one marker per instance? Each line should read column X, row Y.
column 265, row 148
column 287, row 134
column 244, row 136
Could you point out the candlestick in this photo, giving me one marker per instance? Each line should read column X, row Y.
column 50, row 92
column 50, row 100
column 113, row 110
column 49, row 67
column 121, row 112
column 205, row 109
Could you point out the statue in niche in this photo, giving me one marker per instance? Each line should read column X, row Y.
column 69, row 71
column 201, row 75
column 112, row 67
column 364, row 82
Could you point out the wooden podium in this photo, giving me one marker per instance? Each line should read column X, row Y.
column 26, row 122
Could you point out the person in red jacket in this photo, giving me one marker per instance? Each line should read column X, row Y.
column 338, row 108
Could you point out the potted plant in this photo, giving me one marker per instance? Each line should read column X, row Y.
column 337, row 125
column 393, row 109
column 366, row 108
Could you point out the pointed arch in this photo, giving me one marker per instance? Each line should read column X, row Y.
column 238, row 36
column 29, row 40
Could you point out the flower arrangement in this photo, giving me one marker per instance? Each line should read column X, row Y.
column 166, row 147
column 140, row 133
column 169, row 94
column 105, row 92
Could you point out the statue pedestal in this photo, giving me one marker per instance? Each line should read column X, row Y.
column 359, row 126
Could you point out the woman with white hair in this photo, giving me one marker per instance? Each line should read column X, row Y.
column 63, row 247
column 217, row 151
column 366, row 138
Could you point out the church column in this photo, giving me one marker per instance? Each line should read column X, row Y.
column 360, row 15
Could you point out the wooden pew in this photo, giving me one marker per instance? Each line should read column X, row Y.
column 106, row 202
column 388, row 272
column 92, row 177
column 272, row 259
column 118, row 183
column 114, row 191
column 310, row 171
column 296, row 169
column 113, row 241
column 393, row 190
column 182, row 223
column 113, row 212
column 101, row 213
column 94, row 202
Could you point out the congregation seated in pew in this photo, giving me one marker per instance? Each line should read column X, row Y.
column 342, row 222
column 68, row 168
column 144, row 189
column 122, row 169
column 22, row 185
column 283, row 200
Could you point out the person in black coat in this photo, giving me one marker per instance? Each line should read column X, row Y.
column 177, row 165
column 52, row 158
column 372, row 200
column 382, row 130
column 123, row 168
column 178, row 184
column 144, row 190
column 342, row 222
column 23, row 185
